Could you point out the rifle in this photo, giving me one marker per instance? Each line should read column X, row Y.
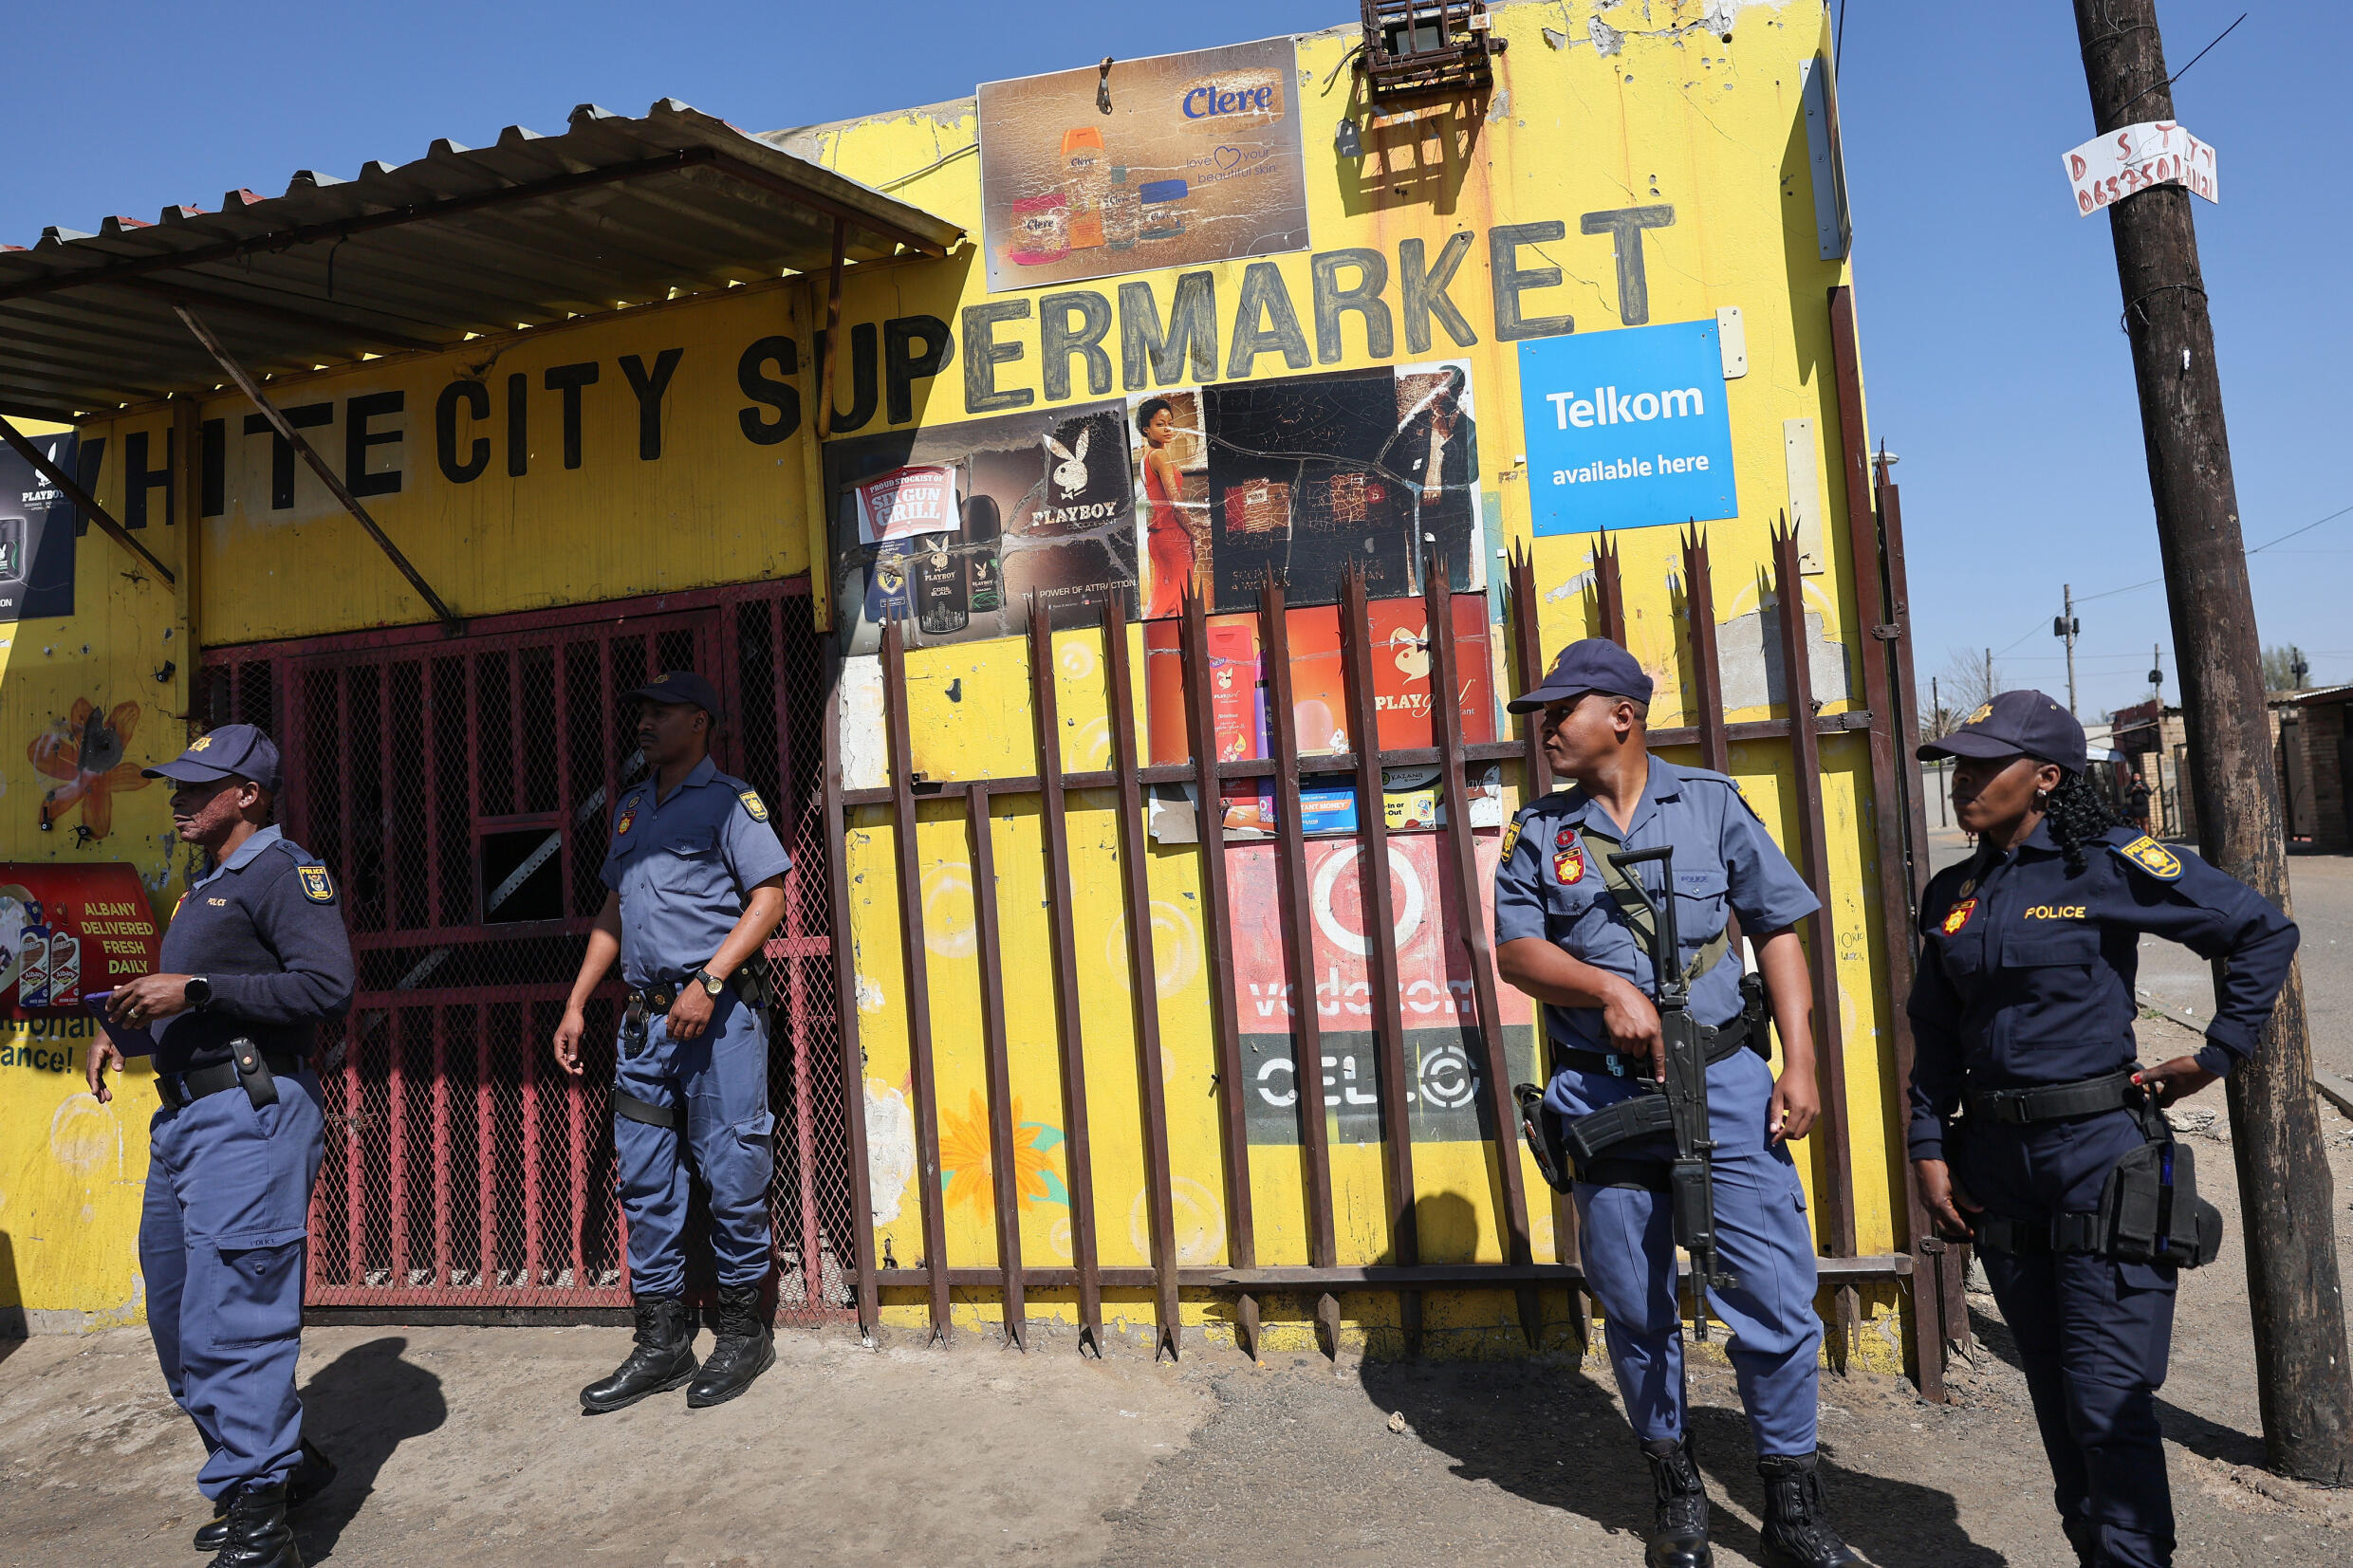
column 1690, row 1177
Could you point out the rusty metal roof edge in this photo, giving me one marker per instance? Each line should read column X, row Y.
column 488, row 342
column 667, row 124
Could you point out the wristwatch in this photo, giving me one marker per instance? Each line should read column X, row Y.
column 710, row 983
column 198, row 993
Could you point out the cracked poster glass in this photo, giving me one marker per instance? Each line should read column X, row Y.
column 1195, row 159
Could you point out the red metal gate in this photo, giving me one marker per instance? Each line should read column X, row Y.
column 460, row 788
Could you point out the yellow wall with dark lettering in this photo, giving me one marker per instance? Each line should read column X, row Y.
column 71, row 1168
column 1488, row 199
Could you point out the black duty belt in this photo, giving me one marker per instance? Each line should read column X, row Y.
column 2073, row 1232
column 658, row 997
column 2055, row 1101
column 182, row 1089
column 1714, row 1045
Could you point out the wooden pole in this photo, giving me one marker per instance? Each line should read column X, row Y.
column 2303, row 1381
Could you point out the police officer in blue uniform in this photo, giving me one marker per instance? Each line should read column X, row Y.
column 1566, row 940
column 254, row 959
column 696, row 880
column 2023, row 1014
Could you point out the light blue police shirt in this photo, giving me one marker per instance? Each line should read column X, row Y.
column 1549, row 885
column 683, row 868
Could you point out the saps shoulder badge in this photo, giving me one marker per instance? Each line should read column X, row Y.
column 1511, row 840
column 2151, row 858
column 753, row 804
column 1958, row 916
column 317, row 885
column 1569, row 857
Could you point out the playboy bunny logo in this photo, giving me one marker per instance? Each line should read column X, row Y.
column 1070, row 473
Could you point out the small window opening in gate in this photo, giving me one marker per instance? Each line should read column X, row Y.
column 521, row 875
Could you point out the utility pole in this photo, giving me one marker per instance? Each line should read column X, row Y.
column 1989, row 681
column 1935, row 706
column 2302, row 1378
column 2067, row 626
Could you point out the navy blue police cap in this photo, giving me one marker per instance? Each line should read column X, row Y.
column 1594, row 664
column 2014, row 723
column 681, row 686
column 233, row 752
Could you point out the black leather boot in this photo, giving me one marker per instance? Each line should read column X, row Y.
column 1679, row 1535
column 746, row 1348
column 259, row 1536
column 1797, row 1533
column 663, row 1360
column 314, row 1474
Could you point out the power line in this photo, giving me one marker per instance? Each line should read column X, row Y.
column 2151, row 582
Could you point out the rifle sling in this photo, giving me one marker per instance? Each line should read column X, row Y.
column 1630, row 902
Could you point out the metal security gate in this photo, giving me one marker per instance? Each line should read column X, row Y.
column 460, row 788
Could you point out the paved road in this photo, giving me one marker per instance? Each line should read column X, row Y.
column 2321, row 890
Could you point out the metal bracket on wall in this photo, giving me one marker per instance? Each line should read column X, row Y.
column 287, row 433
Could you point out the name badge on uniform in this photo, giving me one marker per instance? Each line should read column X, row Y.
column 317, row 885
column 1958, row 916
column 753, row 804
column 1569, row 857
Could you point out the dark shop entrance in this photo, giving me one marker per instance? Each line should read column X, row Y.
column 461, row 788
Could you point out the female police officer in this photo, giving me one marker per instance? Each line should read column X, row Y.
column 2023, row 1011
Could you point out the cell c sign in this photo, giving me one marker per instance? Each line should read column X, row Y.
column 1628, row 429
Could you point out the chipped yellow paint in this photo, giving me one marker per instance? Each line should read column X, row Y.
column 70, row 1169
column 1679, row 116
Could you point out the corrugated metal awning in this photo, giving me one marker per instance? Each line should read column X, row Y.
column 613, row 211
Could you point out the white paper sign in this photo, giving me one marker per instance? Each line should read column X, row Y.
column 2109, row 168
column 906, row 502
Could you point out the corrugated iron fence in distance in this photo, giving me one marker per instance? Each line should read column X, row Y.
column 461, row 789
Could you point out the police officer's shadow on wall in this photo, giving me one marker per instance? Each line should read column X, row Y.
column 1551, row 1431
column 358, row 1408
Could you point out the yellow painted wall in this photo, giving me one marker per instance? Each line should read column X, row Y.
column 714, row 506
column 71, row 1168
column 1675, row 115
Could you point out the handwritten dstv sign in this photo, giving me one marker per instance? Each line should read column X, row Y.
column 1628, row 429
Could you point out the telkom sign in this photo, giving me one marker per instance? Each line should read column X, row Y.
column 1628, row 429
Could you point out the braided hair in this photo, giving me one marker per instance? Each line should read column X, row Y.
column 2076, row 817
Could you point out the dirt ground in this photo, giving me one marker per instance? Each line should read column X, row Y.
column 465, row 1446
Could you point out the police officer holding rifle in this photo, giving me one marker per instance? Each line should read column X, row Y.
column 254, row 959
column 2064, row 1169
column 1611, row 906
column 696, row 880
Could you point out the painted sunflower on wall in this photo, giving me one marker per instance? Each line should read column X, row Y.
column 84, row 750
column 964, row 1159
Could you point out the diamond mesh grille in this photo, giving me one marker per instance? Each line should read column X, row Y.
column 461, row 791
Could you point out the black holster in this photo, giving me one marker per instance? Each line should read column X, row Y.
column 253, row 1073
column 2150, row 1211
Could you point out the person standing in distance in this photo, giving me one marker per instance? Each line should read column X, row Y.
column 697, row 882
column 1565, row 940
column 2136, row 804
column 254, row 959
column 2022, row 1009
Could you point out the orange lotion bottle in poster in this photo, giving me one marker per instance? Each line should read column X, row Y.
column 1086, row 185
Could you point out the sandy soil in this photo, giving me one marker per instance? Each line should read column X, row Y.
column 465, row 1446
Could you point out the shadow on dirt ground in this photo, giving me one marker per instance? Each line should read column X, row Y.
column 1553, row 1436
column 359, row 1408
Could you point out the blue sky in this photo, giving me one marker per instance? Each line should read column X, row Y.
column 1989, row 309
